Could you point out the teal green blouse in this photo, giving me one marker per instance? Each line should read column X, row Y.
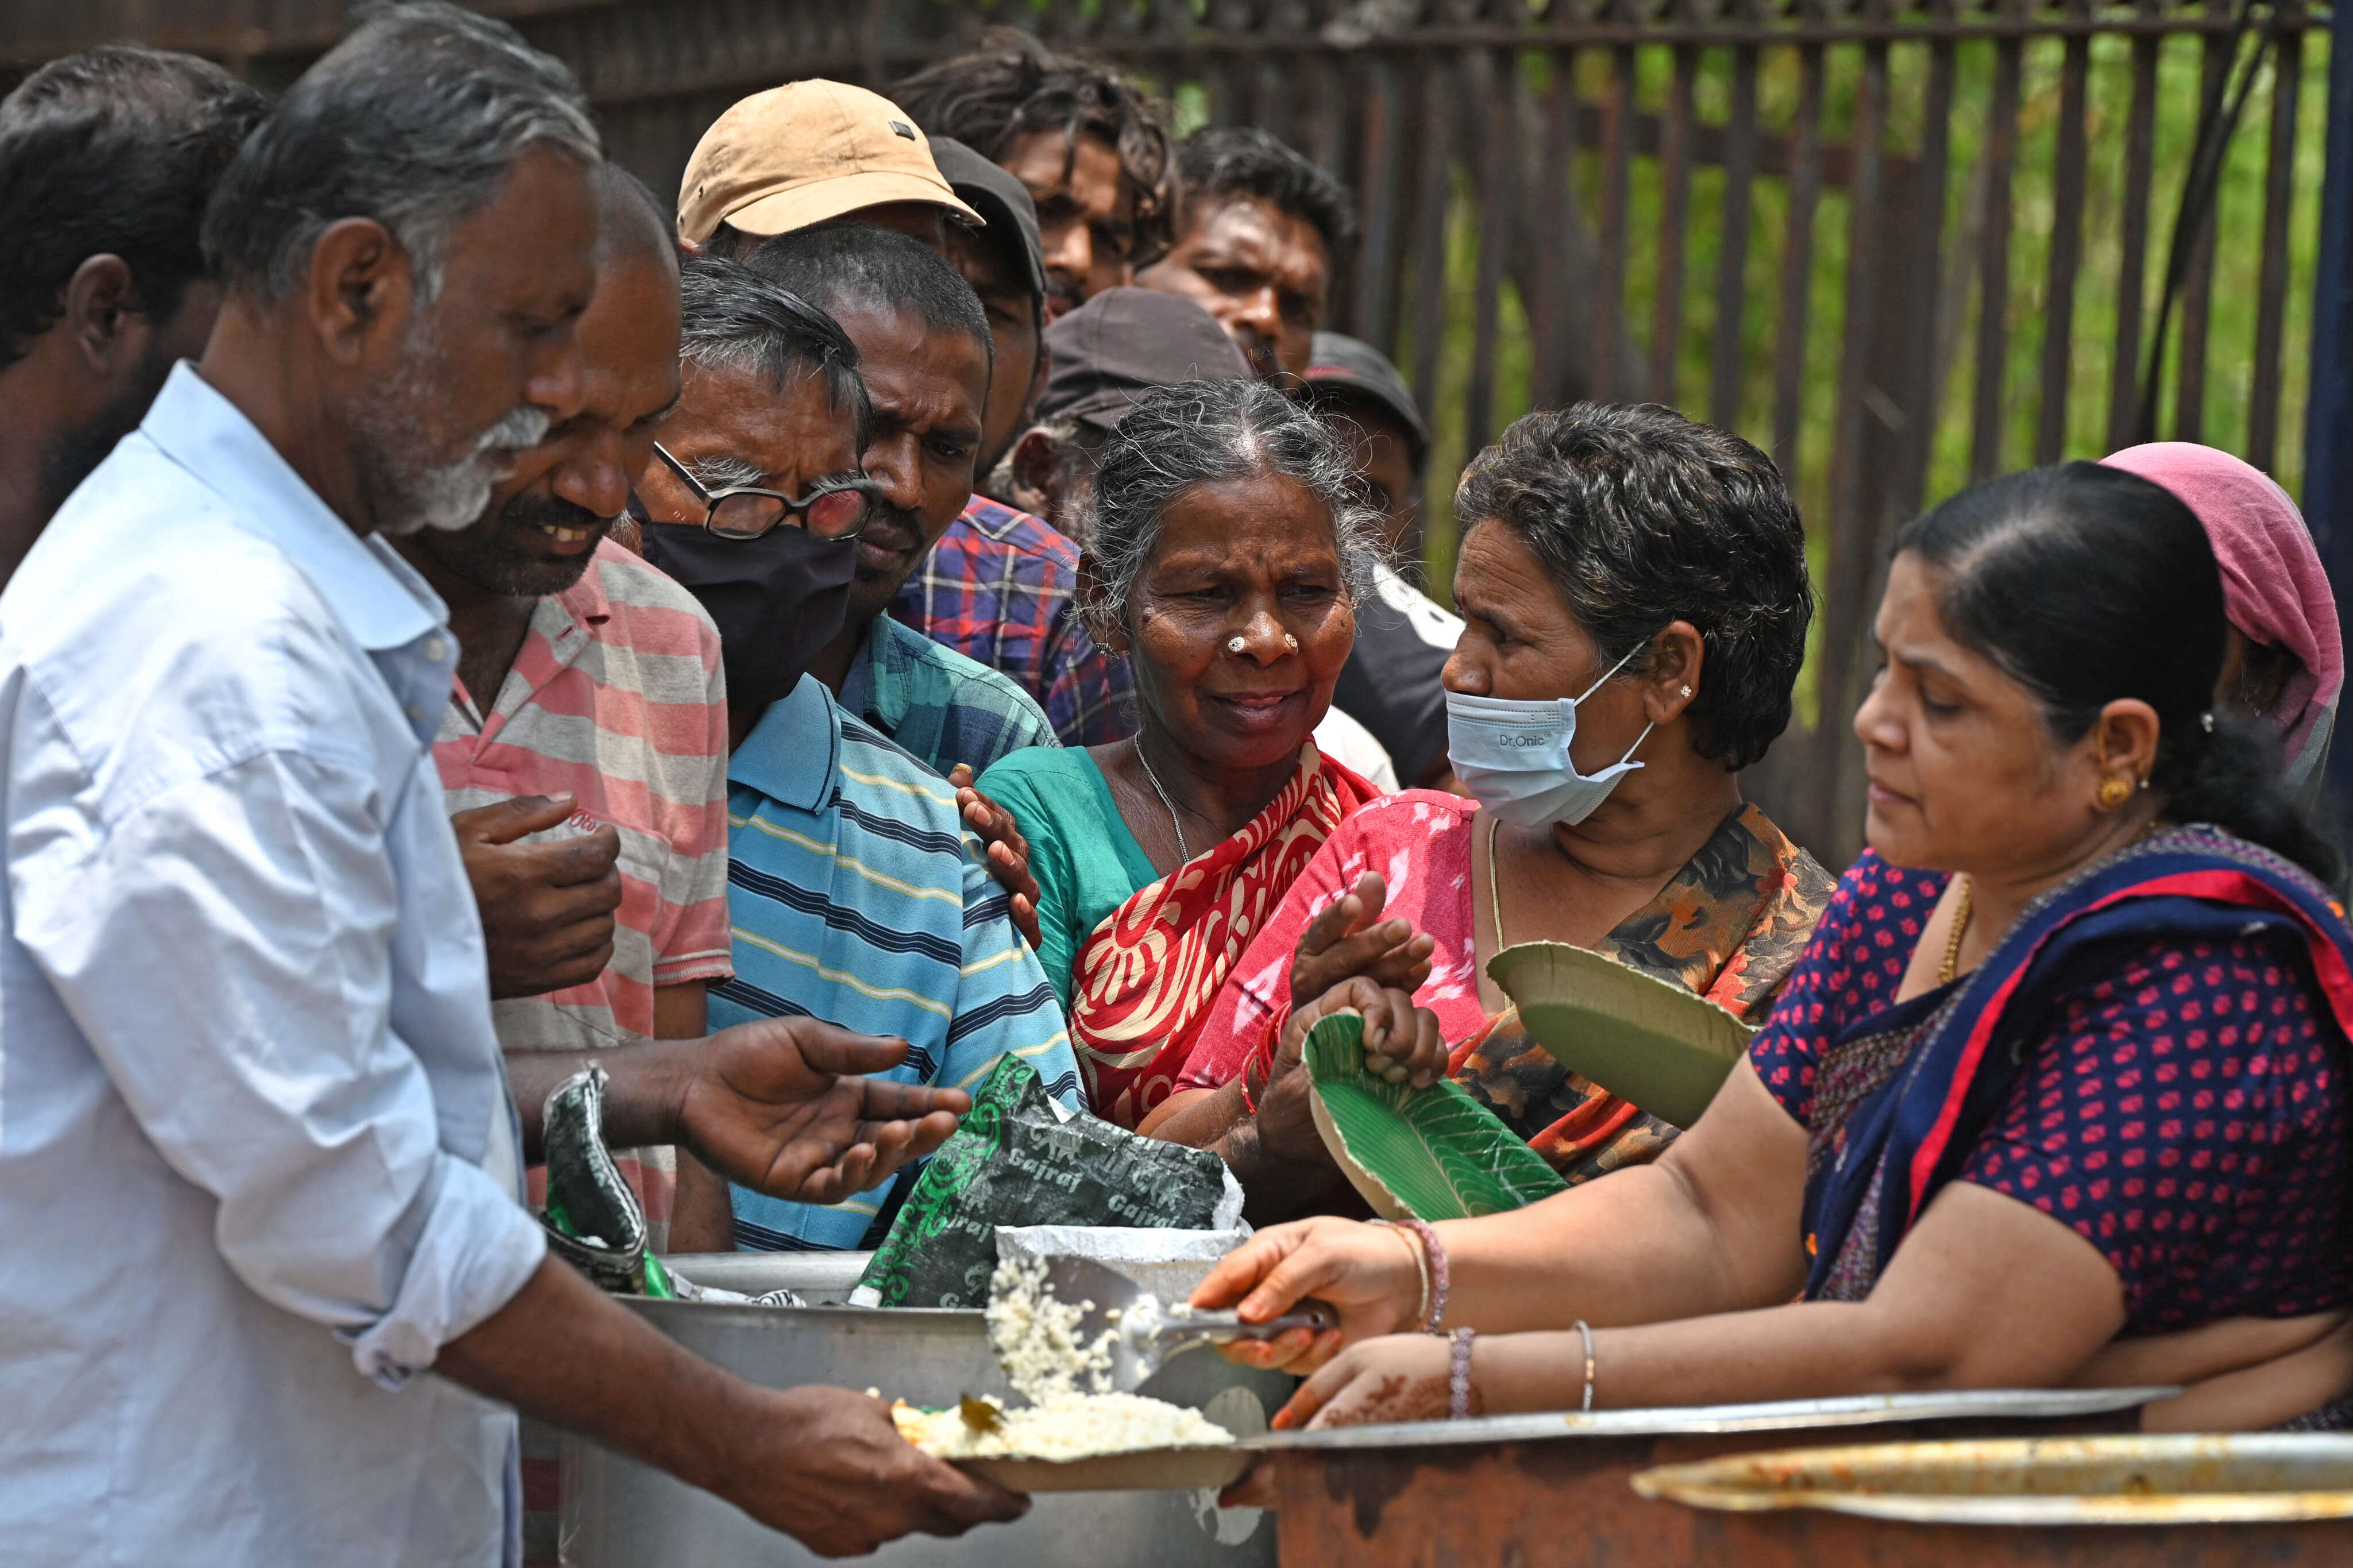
column 1086, row 861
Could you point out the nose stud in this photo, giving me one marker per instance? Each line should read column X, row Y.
column 1291, row 642
column 1235, row 645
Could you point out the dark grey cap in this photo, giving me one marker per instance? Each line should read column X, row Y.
column 1123, row 343
column 1002, row 201
column 1348, row 369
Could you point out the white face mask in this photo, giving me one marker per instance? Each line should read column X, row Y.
column 1512, row 756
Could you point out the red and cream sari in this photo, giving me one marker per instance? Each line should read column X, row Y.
column 1142, row 983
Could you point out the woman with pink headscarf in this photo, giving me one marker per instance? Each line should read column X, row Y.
column 2285, row 663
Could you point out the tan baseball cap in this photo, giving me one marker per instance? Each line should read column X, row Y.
column 804, row 153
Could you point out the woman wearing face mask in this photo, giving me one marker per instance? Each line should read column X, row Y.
column 2056, row 1098
column 1635, row 597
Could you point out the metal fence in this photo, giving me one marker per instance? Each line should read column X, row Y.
column 1899, row 243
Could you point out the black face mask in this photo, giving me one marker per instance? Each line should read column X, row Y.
column 778, row 599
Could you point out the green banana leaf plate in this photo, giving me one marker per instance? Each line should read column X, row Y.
column 1427, row 1154
column 1640, row 1038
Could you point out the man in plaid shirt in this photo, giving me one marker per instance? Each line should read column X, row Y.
column 998, row 585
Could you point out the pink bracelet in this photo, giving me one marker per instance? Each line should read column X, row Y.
column 1434, row 1251
column 1458, row 1382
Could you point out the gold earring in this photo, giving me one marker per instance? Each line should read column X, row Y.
column 2114, row 790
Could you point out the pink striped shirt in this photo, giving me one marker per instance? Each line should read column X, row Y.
column 616, row 696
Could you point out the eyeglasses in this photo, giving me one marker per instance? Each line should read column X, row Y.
column 833, row 508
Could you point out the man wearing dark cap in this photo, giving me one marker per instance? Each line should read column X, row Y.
column 1261, row 233
column 999, row 585
column 1100, row 358
column 1403, row 639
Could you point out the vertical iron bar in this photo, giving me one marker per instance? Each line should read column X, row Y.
column 1674, row 211
column 1798, row 260
column 1923, row 282
column 2132, row 268
column 2328, row 416
column 2279, row 202
column 2197, row 284
column 1732, row 254
column 1491, row 85
column 1853, row 513
column 1616, row 167
column 1379, row 170
column 1549, row 315
column 1432, row 206
column 1988, row 412
column 2066, row 254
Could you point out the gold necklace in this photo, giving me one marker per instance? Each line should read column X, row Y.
column 1962, row 909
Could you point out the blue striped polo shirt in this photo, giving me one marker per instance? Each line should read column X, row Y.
column 856, row 896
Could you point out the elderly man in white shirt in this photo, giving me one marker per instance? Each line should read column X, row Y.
column 259, row 1170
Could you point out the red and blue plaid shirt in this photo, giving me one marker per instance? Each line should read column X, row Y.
column 1001, row 587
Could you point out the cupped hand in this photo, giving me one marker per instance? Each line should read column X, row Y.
column 782, row 1106
column 1370, row 1275
column 546, row 908
column 1399, row 1377
column 831, row 1471
column 1348, row 938
column 1401, row 1043
column 1006, row 850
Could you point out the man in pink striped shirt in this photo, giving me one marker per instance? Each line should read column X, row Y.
column 584, row 750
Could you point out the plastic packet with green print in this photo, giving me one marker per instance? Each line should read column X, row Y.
column 1019, row 1158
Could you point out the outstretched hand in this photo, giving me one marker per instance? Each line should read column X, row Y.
column 1006, row 850
column 1350, row 939
column 782, row 1106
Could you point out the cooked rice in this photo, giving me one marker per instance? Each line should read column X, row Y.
column 1037, row 1337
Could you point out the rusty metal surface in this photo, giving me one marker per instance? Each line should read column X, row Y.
column 2171, row 1479
column 2016, row 1405
column 1571, row 1505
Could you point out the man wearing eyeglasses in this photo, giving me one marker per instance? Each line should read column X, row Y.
column 855, row 892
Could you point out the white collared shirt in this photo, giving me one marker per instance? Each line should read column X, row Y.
column 249, row 1085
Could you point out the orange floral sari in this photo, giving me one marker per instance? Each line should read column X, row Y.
column 1142, row 981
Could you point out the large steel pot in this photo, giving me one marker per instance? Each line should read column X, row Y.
column 617, row 1513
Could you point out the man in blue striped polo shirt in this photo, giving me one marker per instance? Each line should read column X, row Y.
column 854, row 891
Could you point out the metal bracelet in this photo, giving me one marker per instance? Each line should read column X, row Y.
column 1458, row 1382
column 1586, row 1330
column 1420, row 1267
column 1441, row 1280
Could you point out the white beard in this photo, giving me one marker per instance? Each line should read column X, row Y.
column 414, row 494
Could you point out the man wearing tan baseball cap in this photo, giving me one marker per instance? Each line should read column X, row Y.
column 810, row 152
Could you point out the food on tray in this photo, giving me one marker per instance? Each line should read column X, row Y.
column 1037, row 1339
column 1074, row 1426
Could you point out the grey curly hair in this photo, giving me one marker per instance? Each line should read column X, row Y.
column 1200, row 432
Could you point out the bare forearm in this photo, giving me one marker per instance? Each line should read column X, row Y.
column 642, row 1099
column 1275, row 1188
column 1197, row 1118
column 1630, row 1248
column 563, row 1351
column 1799, row 1351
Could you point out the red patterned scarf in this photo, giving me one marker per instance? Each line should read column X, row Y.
column 1143, row 979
